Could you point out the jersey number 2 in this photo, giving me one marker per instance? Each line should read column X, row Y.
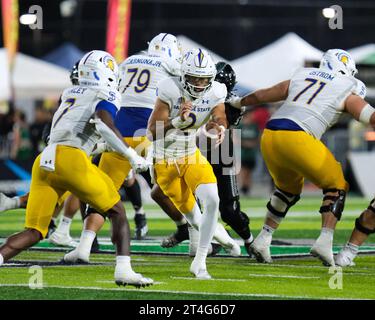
column 312, row 83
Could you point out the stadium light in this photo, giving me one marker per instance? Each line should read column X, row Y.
column 328, row 13
column 28, row 19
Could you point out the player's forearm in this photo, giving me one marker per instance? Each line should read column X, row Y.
column 158, row 129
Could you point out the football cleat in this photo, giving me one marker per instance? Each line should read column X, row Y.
column 323, row 250
column 199, row 271
column 95, row 248
column 7, row 203
column 261, row 249
column 61, row 239
column 173, row 240
column 132, row 279
column 232, row 248
column 76, row 256
column 141, row 228
column 345, row 258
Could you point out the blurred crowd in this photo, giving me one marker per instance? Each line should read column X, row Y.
column 21, row 139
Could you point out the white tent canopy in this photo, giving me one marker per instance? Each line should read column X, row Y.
column 35, row 79
column 187, row 44
column 275, row 62
column 4, row 76
column 362, row 52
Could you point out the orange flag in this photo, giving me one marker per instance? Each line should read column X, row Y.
column 118, row 25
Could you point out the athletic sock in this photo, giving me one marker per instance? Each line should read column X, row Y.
column 85, row 243
column 352, row 247
column 201, row 255
column 181, row 222
column 327, row 234
column 64, row 226
column 1, row 259
column 267, row 231
column 249, row 240
column 123, row 265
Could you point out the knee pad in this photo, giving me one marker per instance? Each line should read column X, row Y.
column 337, row 205
column 281, row 202
column 89, row 210
column 358, row 222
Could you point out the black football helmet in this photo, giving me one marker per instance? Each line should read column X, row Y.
column 226, row 75
column 74, row 74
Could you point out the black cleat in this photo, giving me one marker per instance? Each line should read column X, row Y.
column 95, row 246
column 51, row 228
column 216, row 248
column 248, row 249
column 141, row 228
column 180, row 235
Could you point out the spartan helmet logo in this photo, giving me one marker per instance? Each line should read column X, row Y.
column 343, row 58
column 109, row 63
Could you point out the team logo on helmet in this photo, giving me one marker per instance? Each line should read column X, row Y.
column 343, row 58
column 200, row 57
column 109, row 63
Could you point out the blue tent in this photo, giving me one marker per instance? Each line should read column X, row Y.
column 64, row 56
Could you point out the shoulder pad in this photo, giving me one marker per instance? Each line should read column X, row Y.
column 219, row 90
column 112, row 96
column 173, row 67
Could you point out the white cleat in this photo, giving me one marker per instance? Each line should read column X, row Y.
column 345, row 258
column 199, row 271
column 132, row 279
column 7, row 203
column 76, row 256
column 233, row 249
column 261, row 249
column 61, row 239
column 323, row 250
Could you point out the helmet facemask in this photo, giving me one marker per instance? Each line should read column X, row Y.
column 197, row 86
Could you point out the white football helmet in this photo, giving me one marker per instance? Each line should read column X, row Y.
column 165, row 45
column 98, row 69
column 198, row 71
column 337, row 60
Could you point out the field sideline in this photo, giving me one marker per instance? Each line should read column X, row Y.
column 287, row 278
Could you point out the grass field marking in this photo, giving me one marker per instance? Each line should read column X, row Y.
column 111, row 281
column 306, row 266
column 280, row 276
column 213, row 279
column 226, row 294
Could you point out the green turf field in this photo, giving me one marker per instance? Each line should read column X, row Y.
column 293, row 275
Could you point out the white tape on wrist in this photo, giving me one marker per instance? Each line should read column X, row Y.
column 178, row 123
column 366, row 114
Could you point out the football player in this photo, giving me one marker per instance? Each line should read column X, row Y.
column 84, row 116
column 314, row 100
column 138, row 78
column 364, row 226
column 184, row 104
column 229, row 206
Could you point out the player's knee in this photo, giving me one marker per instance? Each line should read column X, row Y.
column 280, row 203
column 333, row 201
column 90, row 210
column 366, row 221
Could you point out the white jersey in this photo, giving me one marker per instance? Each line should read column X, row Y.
column 316, row 99
column 181, row 143
column 139, row 76
column 70, row 123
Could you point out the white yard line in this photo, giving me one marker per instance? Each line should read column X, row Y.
column 214, row 279
column 280, row 276
column 255, row 295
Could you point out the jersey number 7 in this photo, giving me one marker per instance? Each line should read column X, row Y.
column 312, row 83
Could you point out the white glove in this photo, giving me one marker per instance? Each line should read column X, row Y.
column 234, row 101
column 138, row 163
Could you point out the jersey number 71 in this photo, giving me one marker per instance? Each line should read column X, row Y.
column 312, row 83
